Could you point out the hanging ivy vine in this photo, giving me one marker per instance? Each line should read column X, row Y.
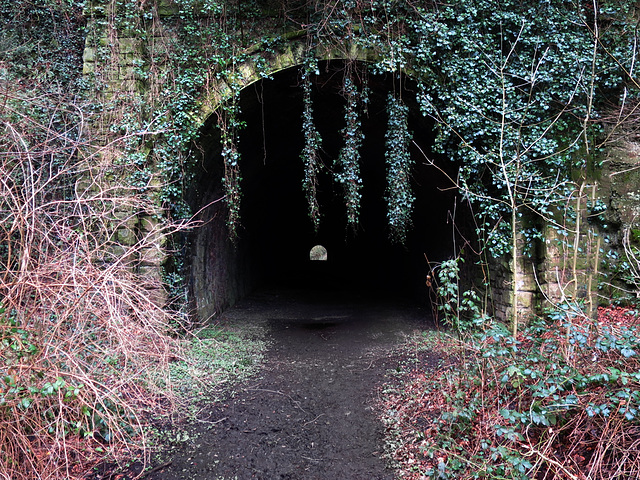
column 399, row 197
column 230, row 125
column 312, row 143
column 348, row 162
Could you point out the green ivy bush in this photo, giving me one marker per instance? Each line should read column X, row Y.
column 560, row 401
column 399, row 197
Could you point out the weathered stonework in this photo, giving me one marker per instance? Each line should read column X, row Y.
column 621, row 191
column 526, row 295
column 621, row 183
column 557, row 272
column 568, row 274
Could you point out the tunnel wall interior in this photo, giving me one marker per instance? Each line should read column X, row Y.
column 277, row 234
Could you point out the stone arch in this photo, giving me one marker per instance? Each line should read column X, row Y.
column 222, row 273
column 290, row 52
column 262, row 64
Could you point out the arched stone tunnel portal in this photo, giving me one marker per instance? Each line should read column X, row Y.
column 277, row 234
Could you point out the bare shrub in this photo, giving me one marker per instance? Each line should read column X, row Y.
column 84, row 339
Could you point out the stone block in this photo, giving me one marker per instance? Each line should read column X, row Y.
column 526, row 301
column 152, row 256
column 151, row 281
column 126, row 237
column 89, row 54
column 88, row 68
column 126, row 72
column 148, row 223
column 553, row 292
column 248, row 73
column 166, row 8
column 128, row 59
column 129, row 45
column 527, row 283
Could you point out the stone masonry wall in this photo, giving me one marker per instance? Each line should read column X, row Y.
column 567, row 267
column 502, row 278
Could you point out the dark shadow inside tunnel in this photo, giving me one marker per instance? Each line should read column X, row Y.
column 277, row 235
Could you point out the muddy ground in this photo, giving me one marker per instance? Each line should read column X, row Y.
column 309, row 413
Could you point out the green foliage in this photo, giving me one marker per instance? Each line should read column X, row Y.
column 37, row 396
column 313, row 141
column 400, row 197
column 348, row 162
column 215, row 356
column 566, row 385
column 514, row 100
column 42, row 42
column 16, row 343
column 229, row 125
column 462, row 311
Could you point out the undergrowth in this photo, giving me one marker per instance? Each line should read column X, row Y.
column 89, row 355
column 216, row 356
column 560, row 401
column 213, row 362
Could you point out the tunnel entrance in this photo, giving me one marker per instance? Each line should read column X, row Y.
column 273, row 249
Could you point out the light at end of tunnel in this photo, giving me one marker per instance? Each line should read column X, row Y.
column 318, row 253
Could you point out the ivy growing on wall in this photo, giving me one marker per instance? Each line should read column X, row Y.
column 515, row 101
column 230, row 124
column 42, row 41
column 515, row 90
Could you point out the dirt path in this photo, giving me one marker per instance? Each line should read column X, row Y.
column 308, row 414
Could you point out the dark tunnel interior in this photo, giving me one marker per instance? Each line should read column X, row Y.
column 277, row 234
